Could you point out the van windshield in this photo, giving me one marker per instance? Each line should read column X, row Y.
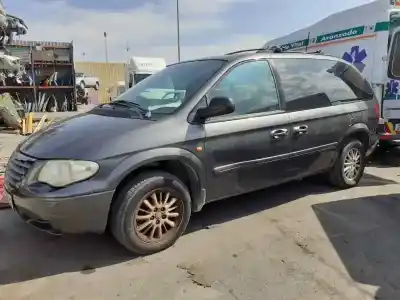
column 139, row 77
column 170, row 88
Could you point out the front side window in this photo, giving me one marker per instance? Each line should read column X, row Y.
column 251, row 86
column 165, row 91
column 314, row 83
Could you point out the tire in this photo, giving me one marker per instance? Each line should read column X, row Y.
column 130, row 206
column 337, row 175
column 82, row 85
column 97, row 86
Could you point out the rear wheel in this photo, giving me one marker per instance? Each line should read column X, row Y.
column 97, row 86
column 151, row 213
column 349, row 167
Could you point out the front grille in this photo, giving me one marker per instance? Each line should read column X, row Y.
column 17, row 167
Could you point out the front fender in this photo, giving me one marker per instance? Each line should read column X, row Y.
column 193, row 164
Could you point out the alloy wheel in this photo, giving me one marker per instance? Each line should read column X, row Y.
column 159, row 215
column 352, row 164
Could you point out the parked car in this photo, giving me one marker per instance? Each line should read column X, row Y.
column 195, row 132
column 85, row 81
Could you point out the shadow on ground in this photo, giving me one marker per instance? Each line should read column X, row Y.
column 28, row 254
column 365, row 235
column 385, row 158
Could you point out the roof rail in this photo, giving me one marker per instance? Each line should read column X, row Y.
column 248, row 50
column 272, row 50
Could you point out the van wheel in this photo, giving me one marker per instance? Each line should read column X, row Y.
column 82, row 85
column 151, row 213
column 97, row 86
column 349, row 167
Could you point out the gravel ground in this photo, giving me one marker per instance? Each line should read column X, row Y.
column 299, row 241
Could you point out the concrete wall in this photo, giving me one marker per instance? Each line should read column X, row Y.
column 108, row 73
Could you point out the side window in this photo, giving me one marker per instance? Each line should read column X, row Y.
column 130, row 83
column 394, row 57
column 251, row 86
column 315, row 83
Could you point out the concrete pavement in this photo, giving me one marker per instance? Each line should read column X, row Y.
column 298, row 241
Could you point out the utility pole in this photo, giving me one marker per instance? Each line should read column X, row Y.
column 105, row 46
column 127, row 50
column 178, row 30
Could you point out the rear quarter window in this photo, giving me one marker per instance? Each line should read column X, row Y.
column 314, row 83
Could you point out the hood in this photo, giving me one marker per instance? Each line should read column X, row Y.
column 85, row 136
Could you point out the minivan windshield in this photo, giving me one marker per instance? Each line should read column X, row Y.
column 165, row 91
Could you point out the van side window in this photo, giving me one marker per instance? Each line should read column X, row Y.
column 314, row 83
column 394, row 57
column 251, row 86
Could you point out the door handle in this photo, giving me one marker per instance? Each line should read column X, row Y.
column 300, row 130
column 279, row 133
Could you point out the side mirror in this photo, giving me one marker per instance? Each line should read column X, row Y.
column 218, row 106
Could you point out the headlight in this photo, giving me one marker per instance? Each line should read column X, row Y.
column 60, row 173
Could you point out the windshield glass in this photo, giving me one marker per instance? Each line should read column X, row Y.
column 139, row 77
column 168, row 89
column 79, row 74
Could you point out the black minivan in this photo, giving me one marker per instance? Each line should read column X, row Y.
column 196, row 132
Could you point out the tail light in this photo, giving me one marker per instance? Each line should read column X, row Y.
column 377, row 113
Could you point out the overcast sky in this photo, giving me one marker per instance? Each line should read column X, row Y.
column 149, row 26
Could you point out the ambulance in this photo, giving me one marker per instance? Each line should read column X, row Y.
column 367, row 36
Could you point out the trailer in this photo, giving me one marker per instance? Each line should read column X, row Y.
column 368, row 36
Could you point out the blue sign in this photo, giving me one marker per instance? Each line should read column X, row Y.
column 392, row 88
column 356, row 57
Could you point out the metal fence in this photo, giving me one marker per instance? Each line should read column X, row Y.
column 108, row 74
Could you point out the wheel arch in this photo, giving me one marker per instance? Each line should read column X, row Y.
column 359, row 131
column 179, row 162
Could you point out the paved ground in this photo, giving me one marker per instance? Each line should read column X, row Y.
column 298, row 241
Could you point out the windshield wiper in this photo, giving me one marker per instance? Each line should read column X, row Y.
column 129, row 104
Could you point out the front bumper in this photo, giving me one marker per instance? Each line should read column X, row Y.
column 78, row 214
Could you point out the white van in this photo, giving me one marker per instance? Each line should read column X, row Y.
column 139, row 68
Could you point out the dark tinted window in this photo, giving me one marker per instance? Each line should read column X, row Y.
column 251, row 86
column 314, row 83
column 394, row 60
column 139, row 77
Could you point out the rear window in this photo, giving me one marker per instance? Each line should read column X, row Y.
column 314, row 83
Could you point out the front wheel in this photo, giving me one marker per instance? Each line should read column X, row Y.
column 82, row 85
column 349, row 167
column 151, row 213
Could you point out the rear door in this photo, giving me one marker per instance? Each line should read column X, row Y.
column 321, row 109
column 248, row 149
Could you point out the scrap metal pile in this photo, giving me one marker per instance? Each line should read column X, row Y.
column 35, row 76
column 12, row 73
